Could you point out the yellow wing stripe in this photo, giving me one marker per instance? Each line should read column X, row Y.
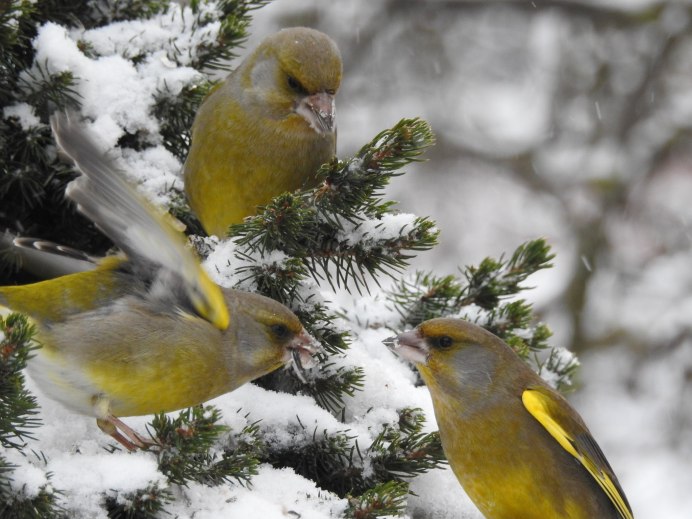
column 211, row 303
column 536, row 404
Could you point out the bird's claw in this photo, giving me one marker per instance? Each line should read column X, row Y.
column 124, row 434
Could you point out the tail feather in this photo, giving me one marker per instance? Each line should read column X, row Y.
column 43, row 259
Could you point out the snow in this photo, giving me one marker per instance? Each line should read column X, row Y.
column 118, row 96
column 157, row 171
column 450, row 500
column 110, row 81
column 559, row 360
column 154, row 36
column 222, row 264
column 29, row 481
column 276, row 493
column 24, row 113
column 371, row 232
column 85, row 476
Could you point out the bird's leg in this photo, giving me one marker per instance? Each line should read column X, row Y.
column 128, row 438
column 114, row 427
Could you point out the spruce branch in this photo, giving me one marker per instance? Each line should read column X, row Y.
column 330, row 458
column 343, row 231
column 187, row 450
column 106, row 11
column 333, row 384
column 385, row 499
column 404, row 450
column 18, row 407
column 235, row 20
column 495, row 279
column 559, row 369
column 485, row 286
column 177, row 113
column 48, row 92
column 336, row 460
column 17, row 27
column 41, row 506
column 483, row 294
column 18, row 416
column 147, row 503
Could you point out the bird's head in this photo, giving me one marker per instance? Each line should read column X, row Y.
column 269, row 335
column 452, row 353
column 298, row 71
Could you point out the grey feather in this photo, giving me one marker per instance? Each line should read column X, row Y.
column 156, row 251
column 43, row 259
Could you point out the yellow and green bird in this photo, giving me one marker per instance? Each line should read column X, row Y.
column 519, row 450
column 146, row 331
column 266, row 129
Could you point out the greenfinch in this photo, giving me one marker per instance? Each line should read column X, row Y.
column 265, row 130
column 147, row 331
column 519, row 450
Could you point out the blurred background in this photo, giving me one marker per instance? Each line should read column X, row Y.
column 563, row 119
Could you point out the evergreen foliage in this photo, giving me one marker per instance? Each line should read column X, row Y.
column 314, row 231
column 317, row 226
column 404, row 451
column 385, row 499
column 32, row 178
column 19, row 409
column 339, row 463
column 186, row 448
column 18, row 416
column 147, row 503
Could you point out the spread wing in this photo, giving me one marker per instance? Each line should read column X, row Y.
column 571, row 433
column 146, row 235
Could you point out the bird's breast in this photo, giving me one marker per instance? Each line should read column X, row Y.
column 509, row 466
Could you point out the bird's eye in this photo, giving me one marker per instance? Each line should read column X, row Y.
column 444, row 341
column 295, row 85
column 280, row 331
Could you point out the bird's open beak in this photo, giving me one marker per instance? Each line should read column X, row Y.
column 300, row 354
column 410, row 346
column 319, row 111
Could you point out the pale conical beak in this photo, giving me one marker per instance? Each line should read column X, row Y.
column 319, row 110
column 300, row 353
column 410, row 346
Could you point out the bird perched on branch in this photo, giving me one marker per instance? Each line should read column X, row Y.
column 519, row 450
column 266, row 129
column 146, row 331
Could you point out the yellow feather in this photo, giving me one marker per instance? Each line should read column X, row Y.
column 250, row 140
column 537, row 403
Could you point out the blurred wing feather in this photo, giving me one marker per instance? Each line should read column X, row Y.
column 142, row 232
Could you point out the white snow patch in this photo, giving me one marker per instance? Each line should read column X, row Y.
column 24, row 113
